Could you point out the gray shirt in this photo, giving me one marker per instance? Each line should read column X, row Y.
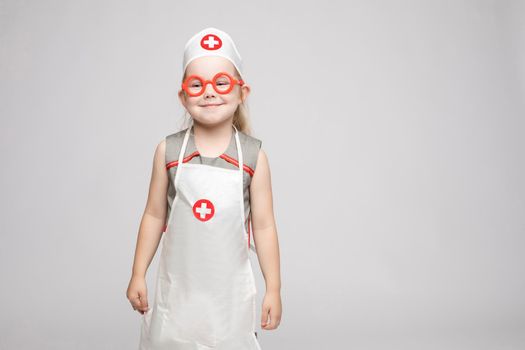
column 250, row 150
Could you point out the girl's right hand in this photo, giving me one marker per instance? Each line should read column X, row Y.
column 137, row 294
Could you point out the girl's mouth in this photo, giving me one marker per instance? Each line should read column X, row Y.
column 212, row 105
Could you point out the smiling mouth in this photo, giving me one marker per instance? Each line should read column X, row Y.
column 212, row 105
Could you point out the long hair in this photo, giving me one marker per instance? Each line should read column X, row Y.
column 241, row 118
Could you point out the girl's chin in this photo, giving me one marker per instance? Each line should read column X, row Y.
column 210, row 119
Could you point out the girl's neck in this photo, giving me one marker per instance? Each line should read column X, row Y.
column 215, row 137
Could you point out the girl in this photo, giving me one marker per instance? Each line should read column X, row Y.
column 208, row 181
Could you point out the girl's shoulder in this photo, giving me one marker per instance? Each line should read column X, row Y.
column 249, row 144
column 176, row 135
column 173, row 145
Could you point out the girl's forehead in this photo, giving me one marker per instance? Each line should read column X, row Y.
column 210, row 65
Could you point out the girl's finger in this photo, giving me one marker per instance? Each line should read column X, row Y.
column 264, row 316
column 143, row 304
column 275, row 321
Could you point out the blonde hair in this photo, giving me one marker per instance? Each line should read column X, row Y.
column 241, row 117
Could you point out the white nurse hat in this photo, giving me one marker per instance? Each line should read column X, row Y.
column 211, row 42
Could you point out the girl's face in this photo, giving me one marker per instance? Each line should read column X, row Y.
column 223, row 105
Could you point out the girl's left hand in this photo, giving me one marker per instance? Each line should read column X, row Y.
column 272, row 307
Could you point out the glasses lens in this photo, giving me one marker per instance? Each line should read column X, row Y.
column 194, row 85
column 223, row 83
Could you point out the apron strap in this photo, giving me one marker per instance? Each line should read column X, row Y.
column 181, row 155
column 239, row 153
column 241, row 174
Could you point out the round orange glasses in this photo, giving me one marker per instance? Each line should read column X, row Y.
column 222, row 82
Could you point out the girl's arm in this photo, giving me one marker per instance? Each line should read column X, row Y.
column 150, row 230
column 266, row 241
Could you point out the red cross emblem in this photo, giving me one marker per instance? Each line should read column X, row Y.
column 203, row 209
column 211, row 42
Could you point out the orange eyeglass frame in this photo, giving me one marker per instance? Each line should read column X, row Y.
column 212, row 82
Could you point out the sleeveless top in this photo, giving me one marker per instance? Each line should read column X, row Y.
column 250, row 149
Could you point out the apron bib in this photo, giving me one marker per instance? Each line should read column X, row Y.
column 205, row 288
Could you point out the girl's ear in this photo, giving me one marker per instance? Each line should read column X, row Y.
column 182, row 97
column 245, row 92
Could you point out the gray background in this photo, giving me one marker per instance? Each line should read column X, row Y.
column 394, row 131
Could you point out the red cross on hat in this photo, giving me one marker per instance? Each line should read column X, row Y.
column 211, row 42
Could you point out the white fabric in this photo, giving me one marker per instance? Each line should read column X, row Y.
column 211, row 42
column 205, row 289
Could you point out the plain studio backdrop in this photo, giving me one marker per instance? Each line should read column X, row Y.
column 395, row 136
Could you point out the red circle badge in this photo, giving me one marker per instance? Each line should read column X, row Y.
column 211, row 42
column 203, row 209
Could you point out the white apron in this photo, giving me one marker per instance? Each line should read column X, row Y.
column 205, row 288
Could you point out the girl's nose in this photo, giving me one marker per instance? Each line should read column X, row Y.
column 209, row 90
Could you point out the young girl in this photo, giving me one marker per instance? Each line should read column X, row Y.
column 210, row 183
